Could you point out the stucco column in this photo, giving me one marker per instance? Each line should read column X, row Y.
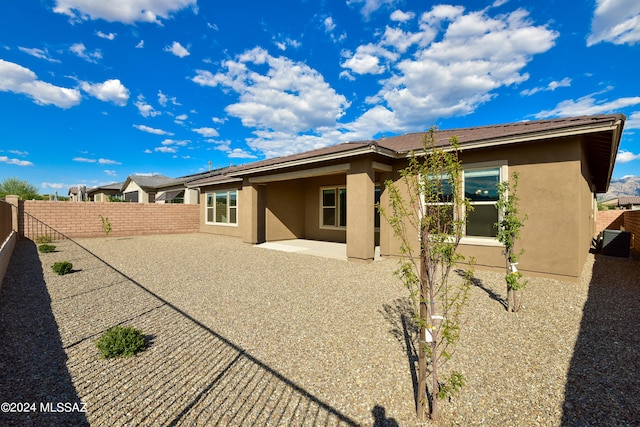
column 13, row 200
column 252, row 213
column 360, row 210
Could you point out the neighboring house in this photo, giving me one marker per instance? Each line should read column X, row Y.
column 624, row 202
column 78, row 193
column 105, row 192
column 145, row 188
column 330, row 193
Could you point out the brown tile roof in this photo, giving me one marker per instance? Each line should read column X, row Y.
column 466, row 136
column 399, row 146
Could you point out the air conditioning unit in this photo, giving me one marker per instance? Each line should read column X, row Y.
column 616, row 243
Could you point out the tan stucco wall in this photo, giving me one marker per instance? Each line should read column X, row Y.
column 556, row 196
column 143, row 196
column 285, row 213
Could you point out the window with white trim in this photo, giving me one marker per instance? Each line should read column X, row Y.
column 222, row 208
column 333, row 207
column 480, row 188
column 479, row 185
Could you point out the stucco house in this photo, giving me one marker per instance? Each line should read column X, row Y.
column 330, row 193
column 624, row 202
column 158, row 189
column 103, row 193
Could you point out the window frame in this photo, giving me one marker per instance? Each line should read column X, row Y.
column 502, row 165
column 338, row 208
column 213, row 195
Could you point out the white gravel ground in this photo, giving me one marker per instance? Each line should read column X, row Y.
column 246, row 336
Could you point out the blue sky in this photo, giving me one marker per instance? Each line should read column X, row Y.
column 93, row 91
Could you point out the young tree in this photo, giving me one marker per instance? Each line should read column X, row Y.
column 508, row 234
column 18, row 187
column 428, row 202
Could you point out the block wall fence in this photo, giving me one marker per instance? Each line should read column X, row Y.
column 82, row 219
column 619, row 219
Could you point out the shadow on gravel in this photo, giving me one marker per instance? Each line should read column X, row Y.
column 603, row 384
column 403, row 328
column 490, row 292
column 33, row 367
column 191, row 376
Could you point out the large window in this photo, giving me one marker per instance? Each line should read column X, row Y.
column 334, row 207
column 222, row 208
column 480, row 187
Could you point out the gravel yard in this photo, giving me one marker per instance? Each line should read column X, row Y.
column 246, row 336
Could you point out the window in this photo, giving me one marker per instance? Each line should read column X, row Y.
column 480, row 187
column 222, row 208
column 334, row 207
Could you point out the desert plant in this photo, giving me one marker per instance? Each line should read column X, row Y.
column 46, row 248
column 43, row 239
column 508, row 234
column 119, row 341
column 106, row 225
column 428, row 201
column 62, row 267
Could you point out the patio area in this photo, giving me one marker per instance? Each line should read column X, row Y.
column 239, row 335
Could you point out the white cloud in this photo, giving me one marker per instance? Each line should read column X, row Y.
column 18, row 79
column 38, row 53
column 239, row 153
column 182, row 117
column 284, row 98
column 17, row 162
column 81, row 51
column 566, row 82
column 165, row 149
column 154, row 131
column 99, row 161
column 108, row 91
column 125, row 11
column 110, row 172
column 438, row 77
column 615, row 21
column 54, row 185
column 287, row 42
column 109, row 36
column 18, row 152
column 367, row 59
column 633, row 121
column 624, row 156
column 108, row 162
column 177, row 49
column 329, row 25
column 371, row 6
column 83, row 160
column 205, row 131
column 180, row 143
column 164, row 99
column 146, row 110
column 401, row 16
column 140, row 44
column 587, row 105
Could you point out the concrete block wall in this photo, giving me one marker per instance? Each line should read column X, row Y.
column 126, row 219
column 632, row 224
column 609, row 220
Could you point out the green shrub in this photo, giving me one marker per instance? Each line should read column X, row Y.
column 46, row 248
column 120, row 341
column 62, row 267
column 43, row 239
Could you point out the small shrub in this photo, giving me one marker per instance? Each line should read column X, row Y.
column 120, row 341
column 46, row 248
column 106, row 225
column 43, row 239
column 62, row 267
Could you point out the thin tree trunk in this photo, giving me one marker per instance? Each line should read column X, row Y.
column 423, row 403
column 434, row 376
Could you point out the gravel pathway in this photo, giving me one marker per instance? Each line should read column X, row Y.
column 246, row 336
